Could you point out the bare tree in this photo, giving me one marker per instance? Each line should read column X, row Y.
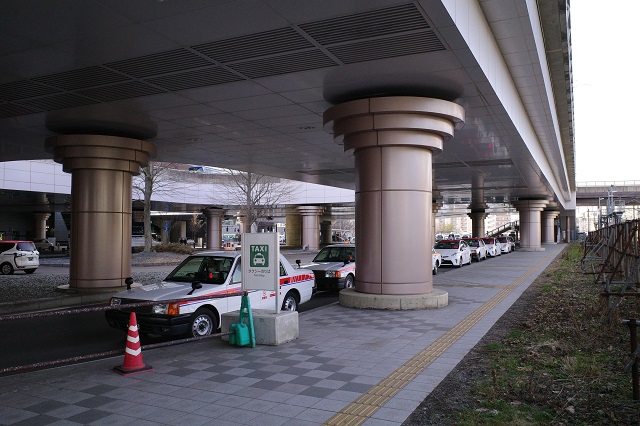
column 195, row 224
column 258, row 194
column 153, row 178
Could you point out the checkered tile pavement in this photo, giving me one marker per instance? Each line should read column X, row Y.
column 341, row 357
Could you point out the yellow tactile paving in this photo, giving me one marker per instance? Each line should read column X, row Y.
column 363, row 407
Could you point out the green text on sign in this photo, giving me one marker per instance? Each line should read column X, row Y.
column 259, row 255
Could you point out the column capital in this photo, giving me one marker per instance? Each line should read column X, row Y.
column 213, row 212
column 100, row 152
column 310, row 210
column 530, row 204
column 394, row 121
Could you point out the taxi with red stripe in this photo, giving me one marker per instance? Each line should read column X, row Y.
column 334, row 267
column 192, row 298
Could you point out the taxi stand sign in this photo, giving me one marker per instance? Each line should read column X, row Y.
column 262, row 271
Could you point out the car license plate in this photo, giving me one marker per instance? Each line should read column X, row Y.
column 31, row 258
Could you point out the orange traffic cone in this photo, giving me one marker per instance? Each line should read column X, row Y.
column 132, row 352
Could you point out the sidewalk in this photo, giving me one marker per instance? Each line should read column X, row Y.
column 348, row 366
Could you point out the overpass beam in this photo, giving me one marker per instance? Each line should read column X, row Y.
column 393, row 139
column 101, row 170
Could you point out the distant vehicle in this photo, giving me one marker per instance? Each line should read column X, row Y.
column 505, row 244
column 478, row 248
column 436, row 261
column 18, row 255
column 216, row 279
column 493, row 246
column 439, row 237
column 334, row 267
column 42, row 244
column 454, row 252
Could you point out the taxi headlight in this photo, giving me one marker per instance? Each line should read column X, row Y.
column 160, row 309
column 332, row 274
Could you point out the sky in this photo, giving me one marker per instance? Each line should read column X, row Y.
column 606, row 89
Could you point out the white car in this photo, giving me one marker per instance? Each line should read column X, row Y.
column 215, row 279
column 436, row 261
column 505, row 244
column 43, row 244
column 18, row 255
column 454, row 252
column 493, row 246
column 478, row 248
column 334, row 267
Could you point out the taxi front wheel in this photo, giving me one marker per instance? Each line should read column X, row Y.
column 290, row 303
column 203, row 323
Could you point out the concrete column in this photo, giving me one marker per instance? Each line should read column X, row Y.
column 101, row 169
column 548, row 226
column 214, row 227
column 478, row 206
column 183, row 229
column 40, row 225
column 310, row 226
column 245, row 228
column 293, row 230
column 393, row 139
column 436, row 205
column 530, row 227
column 325, row 231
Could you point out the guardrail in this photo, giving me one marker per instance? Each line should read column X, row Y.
column 64, row 312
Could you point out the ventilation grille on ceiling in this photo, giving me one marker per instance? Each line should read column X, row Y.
column 389, row 47
column 24, row 89
column 160, row 63
column 283, row 64
column 61, row 101
column 12, row 110
column 254, row 45
column 378, row 34
column 128, row 90
column 376, row 23
column 198, row 78
column 85, row 77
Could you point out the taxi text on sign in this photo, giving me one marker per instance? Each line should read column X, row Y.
column 260, row 261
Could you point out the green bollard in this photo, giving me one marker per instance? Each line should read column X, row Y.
column 243, row 334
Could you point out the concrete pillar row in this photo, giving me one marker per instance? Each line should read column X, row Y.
column 478, row 206
column 548, row 228
column 530, row 227
column 310, row 226
column 393, row 139
column 435, row 208
column 40, row 224
column 101, row 170
column 214, row 227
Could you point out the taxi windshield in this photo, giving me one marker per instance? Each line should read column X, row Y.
column 336, row 254
column 206, row 269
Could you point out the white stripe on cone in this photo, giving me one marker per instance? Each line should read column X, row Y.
column 132, row 352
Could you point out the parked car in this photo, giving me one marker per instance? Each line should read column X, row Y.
column 18, row 255
column 493, row 246
column 454, row 252
column 42, row 244
column 505, row 244
column 478, row 248
column 334, row 267
column 214, row 276
column 436, row 261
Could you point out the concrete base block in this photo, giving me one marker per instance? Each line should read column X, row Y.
column 352, row 299
column 271, row 329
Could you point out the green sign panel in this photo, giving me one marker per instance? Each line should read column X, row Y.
column 259, row 255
